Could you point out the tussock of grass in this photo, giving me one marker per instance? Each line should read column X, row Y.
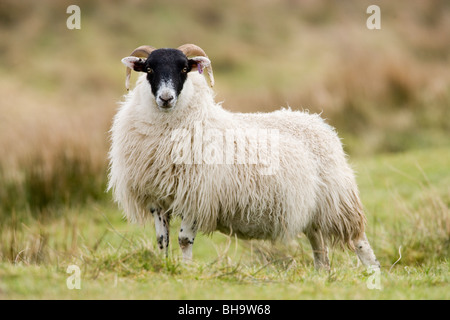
column 133, row 262
column 70, row 180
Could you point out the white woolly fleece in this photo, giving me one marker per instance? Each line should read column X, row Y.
column 313, row 186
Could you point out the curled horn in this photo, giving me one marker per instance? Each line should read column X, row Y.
column 191, row 50
column 140, row 52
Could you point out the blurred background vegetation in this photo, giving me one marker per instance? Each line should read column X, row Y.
column 386, row 91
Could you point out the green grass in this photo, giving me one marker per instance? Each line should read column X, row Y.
column 406, row 198
column 192, row 283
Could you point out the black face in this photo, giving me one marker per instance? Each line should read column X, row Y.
column 167, row 71
column 167, row 65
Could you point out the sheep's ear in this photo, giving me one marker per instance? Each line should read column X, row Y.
column 135, row 63
column 200, row 63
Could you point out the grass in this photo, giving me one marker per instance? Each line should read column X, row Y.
column 406, row 198
column 50, row 283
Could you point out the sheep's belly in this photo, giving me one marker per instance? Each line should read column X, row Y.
column 245, row 230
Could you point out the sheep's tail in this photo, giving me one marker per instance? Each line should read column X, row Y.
column 341, row 219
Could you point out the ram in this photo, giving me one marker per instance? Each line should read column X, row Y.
column 175, row 152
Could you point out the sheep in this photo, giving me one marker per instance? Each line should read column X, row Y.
column 175, row 152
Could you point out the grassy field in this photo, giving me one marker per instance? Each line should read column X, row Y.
column 406, row 198
column 386, row 91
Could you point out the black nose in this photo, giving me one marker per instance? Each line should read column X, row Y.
column 166, row 99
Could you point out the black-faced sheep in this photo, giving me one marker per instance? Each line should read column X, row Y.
column 177, row 153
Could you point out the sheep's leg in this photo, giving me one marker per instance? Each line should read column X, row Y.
column 365, row 252
column 162, row 225
column 186, row 239
column 319, row 248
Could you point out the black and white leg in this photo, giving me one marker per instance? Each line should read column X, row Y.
column 162, row 225
column 186, row 239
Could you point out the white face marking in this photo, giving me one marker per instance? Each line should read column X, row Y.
column 166, row 97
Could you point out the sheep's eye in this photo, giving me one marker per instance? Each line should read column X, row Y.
column 149, row 70
column 185, row 69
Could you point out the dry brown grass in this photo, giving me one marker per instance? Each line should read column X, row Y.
column 53, row 155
